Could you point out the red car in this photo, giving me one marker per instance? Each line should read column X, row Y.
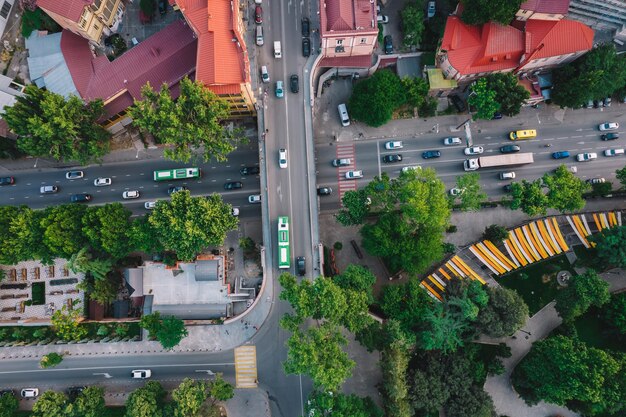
column 258, row 15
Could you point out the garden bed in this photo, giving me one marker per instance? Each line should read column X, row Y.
column 39, row 293
column 95, row 331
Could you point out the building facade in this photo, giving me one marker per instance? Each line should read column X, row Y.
column 542, row 10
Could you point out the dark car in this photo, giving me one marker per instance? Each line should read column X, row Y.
column 162, row 7
column 235, row 185
column 80, row 198
column 306, row 27
column 431, row 154
column 392, row 158
column 294, row 84
column 249, row 170
column 301, row 265
column 507, row 188
column 176, row 189
column 458, row 103
column 7, row 180
column 306, row 47
column 510, row 149
column 497, row 116
column 258, row 15
column 324, row 191
column 388, row 42
column 73, row 392
column 7, row 391
column 610, row 136
column 560, row 154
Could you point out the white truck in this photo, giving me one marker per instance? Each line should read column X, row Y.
column 498, row 161
column 277, row 50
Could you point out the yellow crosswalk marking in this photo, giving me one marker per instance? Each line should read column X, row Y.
column 245, row 367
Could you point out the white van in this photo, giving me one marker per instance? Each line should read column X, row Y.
column 343, row 115
column 259, row 35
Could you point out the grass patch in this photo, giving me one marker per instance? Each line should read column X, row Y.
column 537, row 284
column 39, row 293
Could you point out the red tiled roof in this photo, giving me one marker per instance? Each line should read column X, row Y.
column 348, row 16
column 70, row 9
column 356, row 61
column 165, row 57
column 546, row 6
column 549, row 38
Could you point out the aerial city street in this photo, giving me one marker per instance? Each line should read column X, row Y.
column 400, row 208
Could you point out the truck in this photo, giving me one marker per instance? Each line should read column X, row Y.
column 277, row 50
column 498, row 161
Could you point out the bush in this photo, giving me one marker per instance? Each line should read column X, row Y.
column 338, row 245
column 103, row 330
column 449, row 248
column 496, row 234
column 50, row 360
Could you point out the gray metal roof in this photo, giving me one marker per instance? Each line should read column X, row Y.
column 134, row 279
column 207, row 270
column 192, row 311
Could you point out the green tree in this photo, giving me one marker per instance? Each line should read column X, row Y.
column 151, row 323
column 143, row 236
column 495, row 234
column 408, row 304
column 81, row 262
column 50, row 360
column 190, row 397
column 443, row 330
column 482, row 100
column 472, row 401
column 192, row 121
column 614, row 312
column 62, row 229
column 66, row 323
column 220, row 390
column 416, row 90
column 24, row 235
column 318, row 353
column 472, row 195
column 477, row 12
column 48, row 125
column 611, row 246
column 374, row 99
column 102, row 290
column 106, row 228
column 342, row 405
column 565, row 190
column 621, row 176
column 394, row 364
column 146, row 401
column 601, row 189
column 50, row 404
column 188, row 225
column 582, row 292
column 8, row 404
column 504, row 314
column 89, row 403
column 509, row 93
column 355, row 208
column 171, row 332
column 412, row 23
column 357, row 278
column 529, row 197
column 428, row 107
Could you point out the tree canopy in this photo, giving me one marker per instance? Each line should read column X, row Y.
column 374, row 99
column 505, row 313
column 48, row 125
column 565, row 190
column 169, row 330
column 495, row 233
column 582, row 292
column 472, row 194
column 193, row 121
column 482, row 100
column 50, row 404
column 412, row 24
column 355, row 208
column 529, row 197
column 325, row 404
column 510, row 95
column 477, row 12
column 8, row 404
column 611, row 246
column 146, row 401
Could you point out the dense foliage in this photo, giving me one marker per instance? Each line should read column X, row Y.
column 476, row 12
column 510, row 95
column 326, row 404
column 482, row 100
column 582, row 292
column 472, row 195
column 412, row 24
column 169, row 330
column 375, row 98
column 611, row 246
column 495, row 233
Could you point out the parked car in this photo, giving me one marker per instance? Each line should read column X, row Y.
column 141, row 373
column 609, row 126
column 582, row 157
column 613, row 152
column 30, row 392
column 394, row 144
column 431, row 154
column 410, row 168
column 102, row 182
column 176, row 189
column 294, row 83
column 560, row 154
column 280, row 92
column 458, row 103
column 381, row 18
column 235, row 185
column 73, row 392
column 48, row 189
column 282, row 158
column 452, row 141
column 162, row 7
column 474, row 150
column 80, row 198
column 510, row 149
column 265, row 76
column 254, row 199
column 431, row 9
column 130, row 195
column 324, row 191
column 74, row 175
column 497, row 116
column 606, row 102
column 341, row 162
column 589, row 104
column 258, row 14
column 507, row 175
column 392, row 158
column 351, row 175
column 388, row 44
column 235, row 211
column 249, row 170
column 301, row 265
column 596, row 180
column 610, row 136
column 456, row 191
column 7, row 181
column 306, row 47
column 306, row 27
column 149, row 205
column 507, row 188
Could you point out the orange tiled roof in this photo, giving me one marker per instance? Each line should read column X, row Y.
column 548, row 38
column 339, row 16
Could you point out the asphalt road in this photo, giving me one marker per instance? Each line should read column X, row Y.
column 580, row 136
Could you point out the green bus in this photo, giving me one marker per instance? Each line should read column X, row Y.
column 176, row 174
column 284, row 256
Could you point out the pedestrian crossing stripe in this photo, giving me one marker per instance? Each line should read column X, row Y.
column 245, row 367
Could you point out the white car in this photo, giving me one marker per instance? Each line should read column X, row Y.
column 431, row 9
column 351, row 175
column 394, row 144
column 102, row 182
column 253, row 199
column 609, row 126
column 457, row 191
column 507, row 175
column 613, row 152
column 411, row 168
column 265, row 76
column 581, row 157
column 149, row 205
column 282, row 158
column 474, row 150
column 235, row 211
column 381, row 18
column 74, row 175
column 452, row 141
column 30, row 392
column 129, row 195
column 141, row 373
